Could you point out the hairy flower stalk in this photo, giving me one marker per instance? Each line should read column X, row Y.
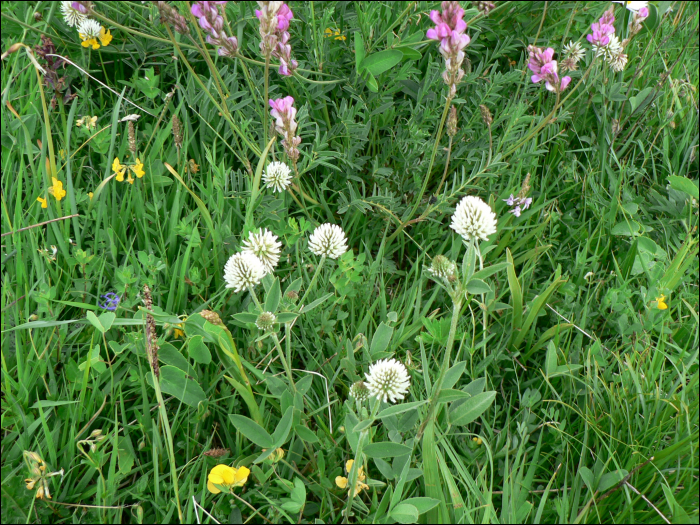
column 151, row 334
column 284, row 113
column 211, row 21
column 545, row 68
column 171, row 17
column 450, row 30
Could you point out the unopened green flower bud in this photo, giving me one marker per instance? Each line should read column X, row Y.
column 266, row 321
column 359, row 391
column 443, row 268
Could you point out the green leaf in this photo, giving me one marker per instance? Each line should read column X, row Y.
column 175, row 382
column 409, row 53
column 487, row 272
column 170, row 355
column 252, row 430
column 372, row 82
column 316, row 303
column 281, row 432
column 306, row 434
column 245, row 317
column 198, row 351
column 640, row 100
column 286, row 317
column 404, row 513
column 550, row 359
column 272, row 300
column 475, row 387
column 365, row 423
column 422, row 504
column 473, row 408
column 453, row 375
column 477, row 286
column 378, row 63
column 629, row 228
column 609, row 480
column 399, row 409
column 685, row 185
column 359, row 51
column 386, row 449
column 447, row 394
column 103, row 322
column 381, row 339
column 588, row 478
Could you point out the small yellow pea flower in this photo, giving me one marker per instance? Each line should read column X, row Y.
column 87, row 42
column 105, row 36
column 138, row 169
column 335, row 33
column 118, row 169
column 129, row 179
column 43, row 202
column 57, row 189
column 226, row 476
column 90, row 194
column 661, row 302
column 342, row 481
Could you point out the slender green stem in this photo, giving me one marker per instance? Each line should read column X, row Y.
column 278, row 346
column 483, row 298
column 427, row 175
column 358, row 462
column 456, row 309
column 266, row 97
column 313, row 279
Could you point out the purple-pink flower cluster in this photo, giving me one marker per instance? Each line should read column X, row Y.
column 544, row 67
column 520, row 203
column 602, row 30
column 274, row 34
column 284, row 113
column 450, row 30
column 213, row 23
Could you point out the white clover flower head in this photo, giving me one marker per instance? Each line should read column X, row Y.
column 263, row 244
column 277, row 176
column 387, row 379
column 329, row 240
column 618, row 62
column 474, row 219
column 266, row 321
column 632, row 6
column 359, row 391
column 89, row 28
column 71, row 16
column 574, row 50
column 243, row 271
column 442, row 267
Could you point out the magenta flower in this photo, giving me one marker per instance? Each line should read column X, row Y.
column 284, row 113
column 449, row 31
column 284, row 15
column 213, row 23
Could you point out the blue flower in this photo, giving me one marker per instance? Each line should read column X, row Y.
column 111, row 301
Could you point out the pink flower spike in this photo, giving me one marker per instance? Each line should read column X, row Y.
column 643, row 12
column 435, row 17
column 284, row 15
column 196, row 10
column 432, row 34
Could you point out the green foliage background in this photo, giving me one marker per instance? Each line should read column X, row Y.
column 583, row 379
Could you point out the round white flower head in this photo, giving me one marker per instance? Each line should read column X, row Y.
column 359, row 391
column 387, row 379
column 264, row 246
column 71, row 16
column 89, row 28
column 474, row 219
column 632, row 6
column 574, row 50
column 328, row 239
column 242, row 271
column 277, row 176
column 442, row 267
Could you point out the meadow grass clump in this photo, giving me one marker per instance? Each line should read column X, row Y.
column 415, row 262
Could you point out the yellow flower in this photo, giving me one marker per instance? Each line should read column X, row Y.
column 129, row 179
column 87, row 42
column 57, row 189
column 333, row 32
column 138, row 169
column 194, row 167
column 90, row 194
column 91, row 122
column 43, row 202
column 342, row 481
column 661, row 302
column 177, row 333
column 118, row 169
column 276, row 456
column 105, row 36
column 79, row 122
column 226, row 476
